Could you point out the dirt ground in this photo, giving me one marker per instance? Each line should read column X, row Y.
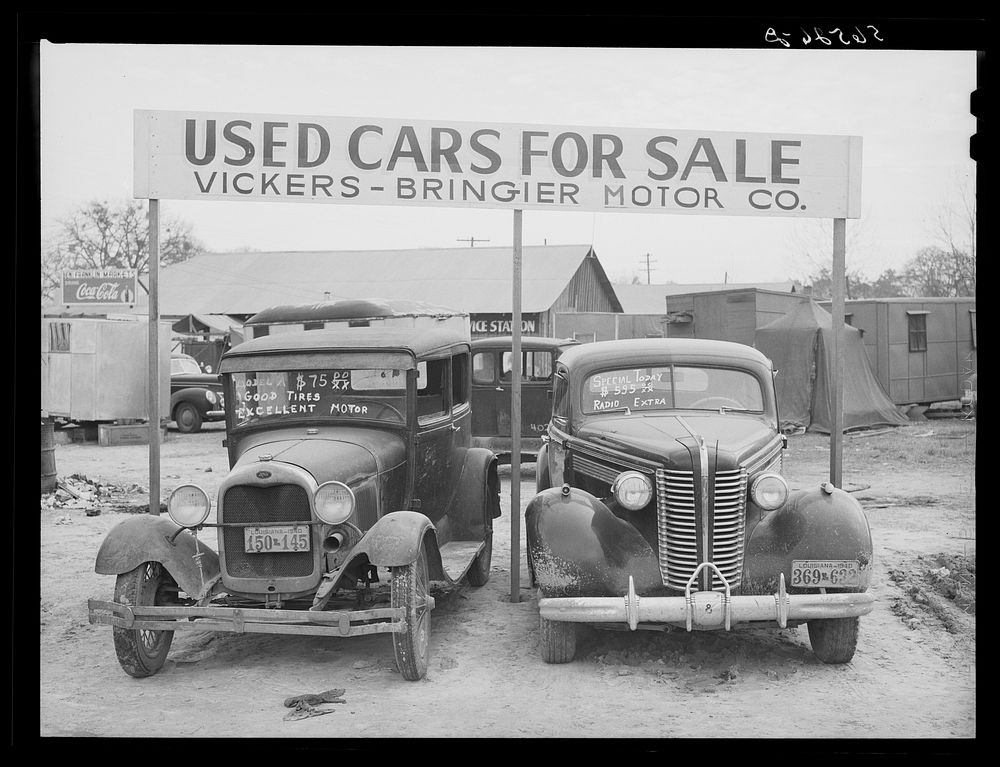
column 914, row 674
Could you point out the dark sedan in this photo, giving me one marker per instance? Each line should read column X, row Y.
column 195, row 396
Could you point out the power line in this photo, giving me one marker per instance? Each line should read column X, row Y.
column 648, row 261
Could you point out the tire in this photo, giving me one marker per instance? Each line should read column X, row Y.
column 479, row 572
column 142, row 652
column 409, row 590
column 187, row 417
column 557, row 640
column 834, row 640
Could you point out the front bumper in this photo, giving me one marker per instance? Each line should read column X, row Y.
column 215, row 414
column 706, row 609
column 344, row 623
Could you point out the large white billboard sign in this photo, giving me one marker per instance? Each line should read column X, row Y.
column 379, row 161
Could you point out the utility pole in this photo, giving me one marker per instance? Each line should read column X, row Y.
column 648, row 269
column 471, row 240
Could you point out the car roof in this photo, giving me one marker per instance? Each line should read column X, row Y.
column 653, row 350
column 527, row 342
column 419, row 342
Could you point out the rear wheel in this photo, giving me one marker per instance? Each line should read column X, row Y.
column 834, row 640
column 142, row 652
column 410, row 590
column 187, row 417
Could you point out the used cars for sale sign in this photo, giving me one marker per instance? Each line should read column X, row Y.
column 99, row 286
column 379, row 161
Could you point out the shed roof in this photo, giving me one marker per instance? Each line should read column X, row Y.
column 468, row 279
column 651, row 299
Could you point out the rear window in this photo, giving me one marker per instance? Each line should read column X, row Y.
column 672, row 387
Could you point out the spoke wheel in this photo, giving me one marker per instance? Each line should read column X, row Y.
column 410, row 591
column 142, row 652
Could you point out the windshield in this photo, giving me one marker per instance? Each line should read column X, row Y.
column 672, row 387
column 183, row 365
column 336, row 394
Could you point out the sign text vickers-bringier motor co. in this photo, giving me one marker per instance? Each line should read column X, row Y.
column 376, row 161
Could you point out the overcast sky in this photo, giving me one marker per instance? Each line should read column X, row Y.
column 911, row 109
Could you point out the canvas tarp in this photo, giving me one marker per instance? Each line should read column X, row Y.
column 799, row 344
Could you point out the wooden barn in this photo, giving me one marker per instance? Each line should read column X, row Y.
column 475, row 280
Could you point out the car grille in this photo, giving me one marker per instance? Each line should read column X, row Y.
column 678, row 530
column 250, row 505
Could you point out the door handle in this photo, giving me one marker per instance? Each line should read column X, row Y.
column 499, row 388
column 456, row 428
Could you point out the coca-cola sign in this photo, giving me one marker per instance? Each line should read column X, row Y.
column 99, row 286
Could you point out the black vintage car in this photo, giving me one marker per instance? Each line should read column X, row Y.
column 351, row 467
column 491, row 386
column 661, row 503
column 195, row 396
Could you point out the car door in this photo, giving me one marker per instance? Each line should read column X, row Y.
column 536, row 392
column 486, row 392
column 435, row 437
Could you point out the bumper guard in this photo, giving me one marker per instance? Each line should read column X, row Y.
column 706, row 609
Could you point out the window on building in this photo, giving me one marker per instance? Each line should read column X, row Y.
column 972, row 319
column 261, row 330
column 917, row 326
column 359, row 323
column 849, row 318
column 584, row 337
column 313, row 326
column 59, row 336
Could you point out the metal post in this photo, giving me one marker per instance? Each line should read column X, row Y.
column 154, row 357
column 838, row 351
column 515, row 420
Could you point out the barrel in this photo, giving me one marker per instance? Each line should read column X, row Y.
column 48, row 457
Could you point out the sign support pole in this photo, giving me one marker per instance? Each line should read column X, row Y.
column 154, row 357
column 838, row 351
column 515, row 419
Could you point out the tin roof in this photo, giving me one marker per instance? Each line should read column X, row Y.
column 467, row 279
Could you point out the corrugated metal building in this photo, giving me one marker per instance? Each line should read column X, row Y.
column 555, row 278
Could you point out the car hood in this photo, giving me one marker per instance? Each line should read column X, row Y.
column 669, row 437
column 347, row 455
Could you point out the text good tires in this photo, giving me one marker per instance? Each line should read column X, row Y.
column 142, row 652
column 410, row 590
column 834, row 640
column 187, row 417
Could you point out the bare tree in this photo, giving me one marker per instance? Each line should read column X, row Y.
column 103, row 235
column 938, row 272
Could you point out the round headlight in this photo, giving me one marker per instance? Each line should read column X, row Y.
column 188, row 505
column 632, row 490
column 334, row 502
column 210, row 396
column 769, row 491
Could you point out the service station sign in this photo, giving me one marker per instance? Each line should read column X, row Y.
column 99, row 286
column 380, row 161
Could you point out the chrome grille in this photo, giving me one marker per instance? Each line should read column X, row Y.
column 250, row 505
column 598, row 470
column 677, row 530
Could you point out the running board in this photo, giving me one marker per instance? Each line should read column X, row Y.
column 457, row 557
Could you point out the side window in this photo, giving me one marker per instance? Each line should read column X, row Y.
column 560, row 398
column 459, row 379
column 917, row 325
column 483, row 367
column 432, row 389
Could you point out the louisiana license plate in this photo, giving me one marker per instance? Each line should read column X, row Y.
column 825, row 572
column 276, row 539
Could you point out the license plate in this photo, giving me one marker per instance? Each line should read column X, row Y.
column 279, row 538
column 825, row 572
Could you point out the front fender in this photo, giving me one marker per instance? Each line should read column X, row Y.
column 577, row 547
column 396, row 538
column 194, row 395
column 820, row 524
column 146, row 538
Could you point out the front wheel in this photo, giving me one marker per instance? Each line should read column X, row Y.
column 188, row 418
column 142, row 652
column 410, row 590
column 834, row 640
column 558, row 640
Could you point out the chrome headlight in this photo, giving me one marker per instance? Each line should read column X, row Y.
column 334, row 502
column 632, row 490
column 210, row 396
column 769, row 491
column 188, row 505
